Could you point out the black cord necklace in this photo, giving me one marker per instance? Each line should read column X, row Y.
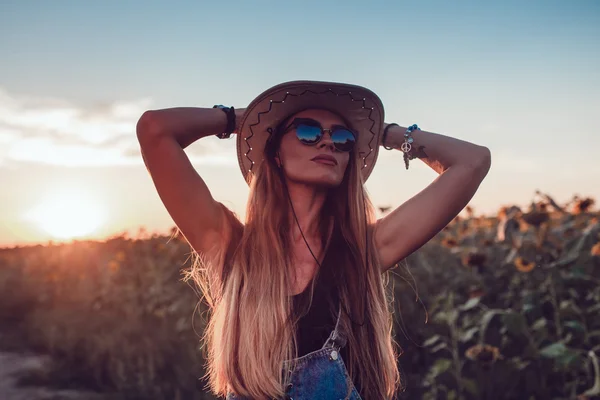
column 317, row 261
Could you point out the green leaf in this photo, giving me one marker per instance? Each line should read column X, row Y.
column 440, row 366
column 568, row 307
column 452, row 316
column 515, row 323
column 568, row 359
column 468, row 335
column 441, row 317
column 555, row 350
column 471, row 386
column 593, row 334
column 473, row 302
column 563, row 356
column 438, row 347
column 432, row 340
column 528, row 307
column 539, row 324
column 519, row 363
column 485, row 321
column 575, row 325
column 593, row 309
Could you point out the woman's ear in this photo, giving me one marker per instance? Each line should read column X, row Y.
column 278, row 159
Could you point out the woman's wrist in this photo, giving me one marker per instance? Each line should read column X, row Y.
column 239, row 114
column 394, row 136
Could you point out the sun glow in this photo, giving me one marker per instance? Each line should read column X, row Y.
column 68, row 214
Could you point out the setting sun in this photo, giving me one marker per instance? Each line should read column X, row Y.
column 67, row 215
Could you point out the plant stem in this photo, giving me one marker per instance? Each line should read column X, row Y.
column 455, row 355
column 557, row 322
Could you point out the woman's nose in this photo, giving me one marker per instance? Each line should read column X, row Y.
column 326, row 141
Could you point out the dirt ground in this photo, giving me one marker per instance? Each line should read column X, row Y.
column 15, row 365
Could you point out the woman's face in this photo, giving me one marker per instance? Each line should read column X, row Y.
column 301, row 163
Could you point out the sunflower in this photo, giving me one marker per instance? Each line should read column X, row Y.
column 596, row 250
column 523, row 265
column 536, row 218
column 120, row 256
column 113, row 265
column 484, row 353
column 449, row 242
column 582, row 205
column 469, row 210
column 474, row 259
column 488, row 242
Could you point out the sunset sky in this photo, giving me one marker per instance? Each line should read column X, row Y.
column 522, row 78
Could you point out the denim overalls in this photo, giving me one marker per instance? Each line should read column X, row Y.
column 321, row 374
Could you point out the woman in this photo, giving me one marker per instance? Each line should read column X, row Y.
column 296, row 292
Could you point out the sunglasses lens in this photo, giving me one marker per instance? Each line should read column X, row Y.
column 343, row 139
column 308, row 134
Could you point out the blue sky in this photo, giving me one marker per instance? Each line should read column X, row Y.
column 522, row 78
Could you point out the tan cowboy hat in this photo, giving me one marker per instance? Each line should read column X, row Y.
column 358, row 105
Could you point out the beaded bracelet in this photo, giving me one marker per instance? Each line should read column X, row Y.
column 408, row 140
column 407, row 145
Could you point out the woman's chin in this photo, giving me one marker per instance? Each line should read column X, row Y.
column 325, row 181
column 318, row 177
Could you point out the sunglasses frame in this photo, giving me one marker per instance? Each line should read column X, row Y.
column 314, row 123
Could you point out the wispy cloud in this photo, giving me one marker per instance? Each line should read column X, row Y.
column 55, row 131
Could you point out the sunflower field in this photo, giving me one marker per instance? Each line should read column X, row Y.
column 494, row 307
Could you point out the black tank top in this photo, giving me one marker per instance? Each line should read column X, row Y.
column 315, row 326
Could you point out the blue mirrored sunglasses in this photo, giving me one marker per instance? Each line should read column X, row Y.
column 309, row 132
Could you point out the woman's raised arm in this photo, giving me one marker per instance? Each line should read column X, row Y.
column 163, row 134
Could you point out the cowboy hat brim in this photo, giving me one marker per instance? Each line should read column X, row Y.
column 359, row 106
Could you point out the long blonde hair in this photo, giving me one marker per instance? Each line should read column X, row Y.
column 250, row 332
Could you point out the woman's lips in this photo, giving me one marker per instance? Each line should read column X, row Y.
column 325, row 159
column 325, row 162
